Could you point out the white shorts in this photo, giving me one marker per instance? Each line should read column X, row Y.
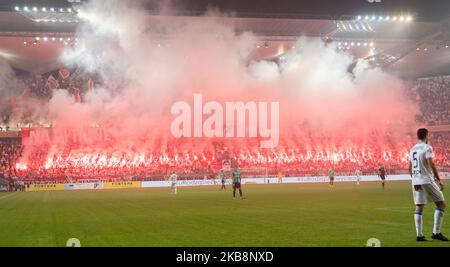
column 430, row 192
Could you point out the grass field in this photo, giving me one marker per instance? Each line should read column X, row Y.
column 271, row 215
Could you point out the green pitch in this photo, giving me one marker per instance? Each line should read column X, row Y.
column 271, row 215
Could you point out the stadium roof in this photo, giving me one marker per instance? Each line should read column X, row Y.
column 415, row 48
column 428, row 10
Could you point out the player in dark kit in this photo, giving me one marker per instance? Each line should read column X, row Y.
column 237, row 183
column 331, row 176
column 223, row 180
column 382, row 174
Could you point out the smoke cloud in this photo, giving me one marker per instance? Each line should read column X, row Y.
column 146, row 65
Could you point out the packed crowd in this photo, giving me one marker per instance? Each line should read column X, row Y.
column 432, row 93
column 441, row 145
column 40, row 89
column 10, row 152
column 301, row 159
column 73, row 165
column 433, row 96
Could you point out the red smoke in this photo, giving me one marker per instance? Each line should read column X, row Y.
column 326, row 113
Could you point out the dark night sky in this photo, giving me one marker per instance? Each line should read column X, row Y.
column 433, row 10
column 424, row 9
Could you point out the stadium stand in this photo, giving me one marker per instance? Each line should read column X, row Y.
column 432, row 95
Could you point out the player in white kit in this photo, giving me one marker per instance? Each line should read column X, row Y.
column 173, row 180
column 426, row 184
column 358, row 176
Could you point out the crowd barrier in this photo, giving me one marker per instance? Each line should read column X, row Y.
column 83, row 186
column 209, row 182
column 274, row 180
column 122, row 185
column 45, row 187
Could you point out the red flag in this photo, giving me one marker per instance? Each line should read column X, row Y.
column 52, row 83
column 64, row 73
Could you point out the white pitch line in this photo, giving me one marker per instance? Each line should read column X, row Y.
column 5, row 196
column 399, row 209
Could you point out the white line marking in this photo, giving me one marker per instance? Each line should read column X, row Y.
column 399, row 209
column 5, row 196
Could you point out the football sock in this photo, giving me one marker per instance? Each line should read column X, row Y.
column 438, row 218
column 419, row 222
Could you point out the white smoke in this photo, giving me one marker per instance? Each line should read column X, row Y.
column 144, row 73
